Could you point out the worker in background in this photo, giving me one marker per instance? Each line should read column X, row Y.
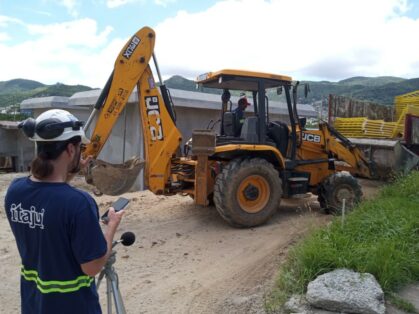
column 56, row 226
column 239, row 112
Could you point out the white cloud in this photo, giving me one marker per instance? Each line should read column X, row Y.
column 119, row 3
column 323, row 39
column 70, row 5
column 82, row 32
column 164, row 3
column 116, row 3
column 44, row 13
column 6, row 20
column 4, row 36
column 73, row 52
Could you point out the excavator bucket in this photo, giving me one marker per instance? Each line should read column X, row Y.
column 390, row 156
column 114, row 179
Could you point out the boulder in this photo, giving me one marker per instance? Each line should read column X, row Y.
column 298, row 304
column 344, row 290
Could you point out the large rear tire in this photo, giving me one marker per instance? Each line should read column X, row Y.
column 335, row 188
column 247, row 192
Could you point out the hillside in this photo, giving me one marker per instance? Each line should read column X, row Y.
column 18, row 85
column 385, row 93
column 13, row 92
column 179, row 82
column 376, row 89
column 370, row 82
column 379, row 89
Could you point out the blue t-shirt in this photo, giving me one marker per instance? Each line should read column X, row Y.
column 56, row 228
column 239, row 114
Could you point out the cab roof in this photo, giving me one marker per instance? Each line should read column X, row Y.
column 241, row 80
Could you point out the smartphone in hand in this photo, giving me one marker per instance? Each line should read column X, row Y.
column 120, row 204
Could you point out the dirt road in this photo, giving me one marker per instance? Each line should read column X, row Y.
column 186, row 259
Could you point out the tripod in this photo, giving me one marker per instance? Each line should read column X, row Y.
column 112, row 281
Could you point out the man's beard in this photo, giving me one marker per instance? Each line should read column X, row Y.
column 76, row 162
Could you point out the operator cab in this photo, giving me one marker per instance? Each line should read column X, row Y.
column 255, row 127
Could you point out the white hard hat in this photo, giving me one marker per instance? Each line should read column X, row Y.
column 54, row 125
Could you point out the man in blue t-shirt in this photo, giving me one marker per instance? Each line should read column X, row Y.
column 56, row 226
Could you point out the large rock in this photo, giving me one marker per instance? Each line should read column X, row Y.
column 344, row 290
column 298, row 304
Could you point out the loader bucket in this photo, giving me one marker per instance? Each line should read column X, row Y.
column 114, row 179
column 390, row 156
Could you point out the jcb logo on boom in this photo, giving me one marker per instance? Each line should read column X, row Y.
column 135, row 41
column 311, row 137
column 153, row 109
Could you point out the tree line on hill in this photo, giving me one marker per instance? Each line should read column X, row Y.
column 380, row 90
column 375, row 89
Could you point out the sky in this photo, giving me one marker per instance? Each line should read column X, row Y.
column 77, row 41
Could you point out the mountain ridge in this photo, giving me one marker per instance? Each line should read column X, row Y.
column 380, row 89
column 13, row 92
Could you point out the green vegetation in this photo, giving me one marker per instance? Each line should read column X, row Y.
column 11, row 117
column 13, row 92
column 371, row 82
column 179, row 82
column 375, row 89
column 381, row 89
column 402, row 304
column 18, row 85
column 380, row 237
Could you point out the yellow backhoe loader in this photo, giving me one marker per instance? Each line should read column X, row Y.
column 244, row 169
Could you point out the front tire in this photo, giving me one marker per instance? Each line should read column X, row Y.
column 247, row 192
column 335, row 188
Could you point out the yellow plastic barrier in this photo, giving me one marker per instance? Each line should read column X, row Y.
column 362, row 127
column 406, row 100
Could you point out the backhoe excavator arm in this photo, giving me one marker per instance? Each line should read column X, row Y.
column 129, row 67
column 342, row 149
column 161, row 137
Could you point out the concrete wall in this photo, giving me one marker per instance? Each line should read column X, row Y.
column 16, row 145
column 9, row 142
column 125, row 141
column 194, row 110
column 80, row 113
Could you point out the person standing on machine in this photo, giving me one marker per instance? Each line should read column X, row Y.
column 56, row 226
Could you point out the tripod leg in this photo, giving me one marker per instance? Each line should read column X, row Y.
column 119, row 304
column 99, row 279
column 109, row 294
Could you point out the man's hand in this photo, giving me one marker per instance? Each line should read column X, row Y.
column 94, row 267
column 113, row 218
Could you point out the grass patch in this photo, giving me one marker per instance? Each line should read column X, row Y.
column 380, row 237
column 402, row 304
